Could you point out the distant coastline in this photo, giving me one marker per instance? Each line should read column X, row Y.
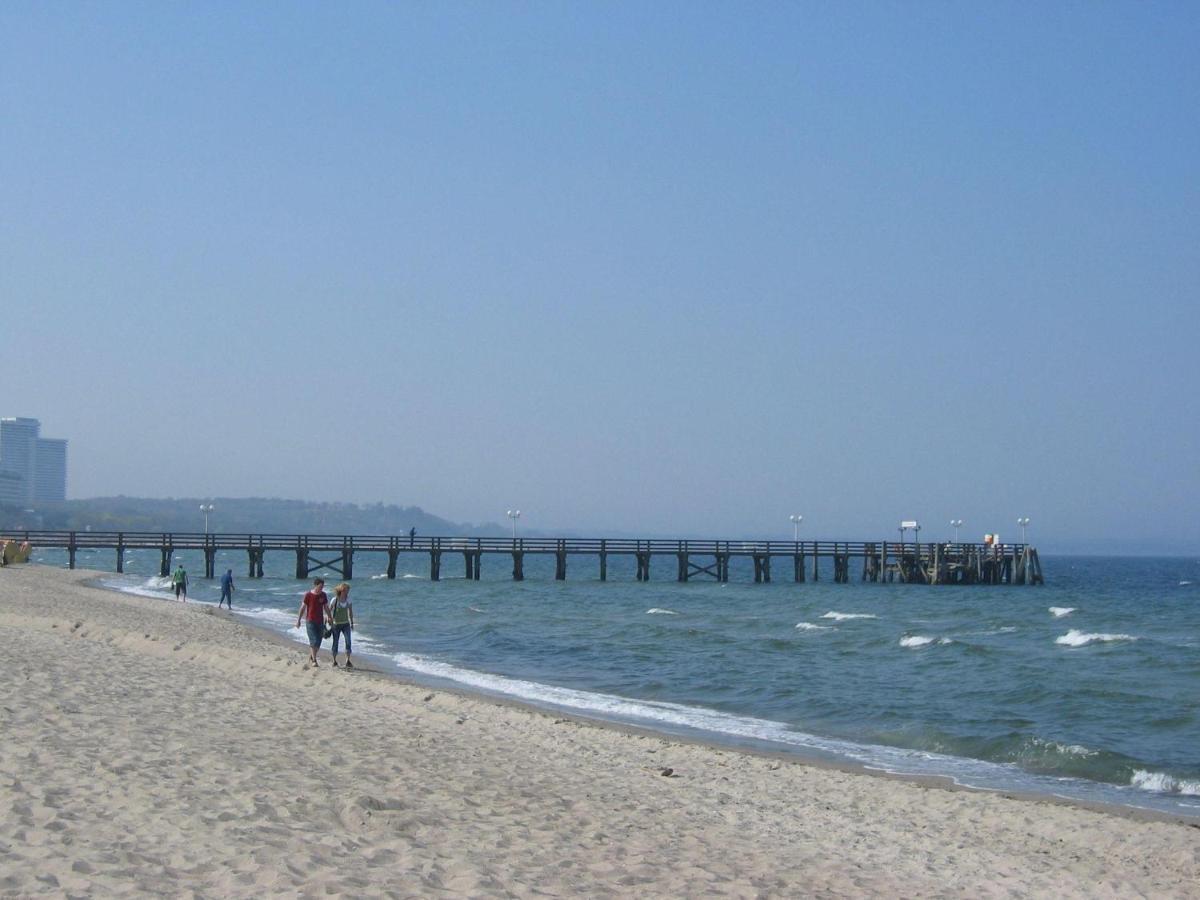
column 258, row 515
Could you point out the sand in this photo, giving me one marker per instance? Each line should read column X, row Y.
column 153, row 747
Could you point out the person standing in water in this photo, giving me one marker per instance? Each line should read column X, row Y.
column 314, row 612
column 179, row 582
column 343, row 620
column 226, row 589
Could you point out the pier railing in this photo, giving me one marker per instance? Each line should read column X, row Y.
column 925, row 563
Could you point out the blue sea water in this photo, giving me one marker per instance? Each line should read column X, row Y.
column 1087, row 687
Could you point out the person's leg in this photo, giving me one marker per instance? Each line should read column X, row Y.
column 334, row 649
column 349, row 665
column 315, row 632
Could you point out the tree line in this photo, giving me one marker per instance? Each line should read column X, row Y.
column 254, row 515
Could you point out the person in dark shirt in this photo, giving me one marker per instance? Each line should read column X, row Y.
column 226, row 589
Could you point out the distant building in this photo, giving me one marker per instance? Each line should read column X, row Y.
column 12, row 488
column 33, row 469
column 50, row 471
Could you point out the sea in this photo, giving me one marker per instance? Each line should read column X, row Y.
column 1086, row 688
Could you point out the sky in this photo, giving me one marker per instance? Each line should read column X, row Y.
column 670, row 268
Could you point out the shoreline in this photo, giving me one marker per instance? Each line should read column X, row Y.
column 712, row 741
column 151, row 747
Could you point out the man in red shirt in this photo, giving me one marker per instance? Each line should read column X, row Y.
column 314, row 611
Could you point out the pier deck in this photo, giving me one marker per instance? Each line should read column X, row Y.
column 916, row 563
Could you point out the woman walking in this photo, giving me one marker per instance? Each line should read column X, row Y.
column 314, row 611
column 342, row 612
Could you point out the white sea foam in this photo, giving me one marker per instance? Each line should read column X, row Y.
column 379, row 577
column 277, row 618
column 809, row 626
column 474, row 609
column 284, row 621
column 841, row 617
column 158, row 588
column 1074, row 638
column 1164, row 783
column 920, row 640
column 1059, row 611
column 969, row 772
column 661, row 612
column 1182, row 583
column 1065, row 749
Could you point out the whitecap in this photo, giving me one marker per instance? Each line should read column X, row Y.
column 474, row 609
column 1059, row 611
column 378, row 577
column 809, row 626
column 1182, row 583
column 920, row 640
column 661, row 612
column 1065, row 749
column 1074, row 638
column 840, row 616
column 1164, row 783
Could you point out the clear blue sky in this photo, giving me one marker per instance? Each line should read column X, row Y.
column 655, row 267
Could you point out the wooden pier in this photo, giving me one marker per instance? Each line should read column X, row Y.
column 912, row 563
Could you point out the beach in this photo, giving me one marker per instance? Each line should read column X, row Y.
column 152, row 747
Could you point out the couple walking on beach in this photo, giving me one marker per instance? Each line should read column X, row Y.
column 316, row 611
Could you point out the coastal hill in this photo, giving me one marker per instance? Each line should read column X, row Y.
column 255, row 515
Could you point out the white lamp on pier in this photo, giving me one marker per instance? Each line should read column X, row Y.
column 796, row 520
column 206, row 509
column 956, row 524
column 514, row 514
column 1024, row 523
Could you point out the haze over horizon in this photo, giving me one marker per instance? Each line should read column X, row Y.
column 686, row 268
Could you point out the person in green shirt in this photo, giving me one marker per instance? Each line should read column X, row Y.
column 343, row 620
column 179, row 582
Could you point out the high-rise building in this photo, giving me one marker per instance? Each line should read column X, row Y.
column 35, row 468
column 18, row 445
column 50, row 471
column 12, row 488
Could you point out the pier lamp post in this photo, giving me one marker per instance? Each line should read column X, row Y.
column 796, row 520
column 1023, row 522
column 956, row 524
column 514, row 514
column 206, row 509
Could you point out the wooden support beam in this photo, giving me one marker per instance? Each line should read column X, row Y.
column 518, row 565
column 643, row 565
column 255, row 555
